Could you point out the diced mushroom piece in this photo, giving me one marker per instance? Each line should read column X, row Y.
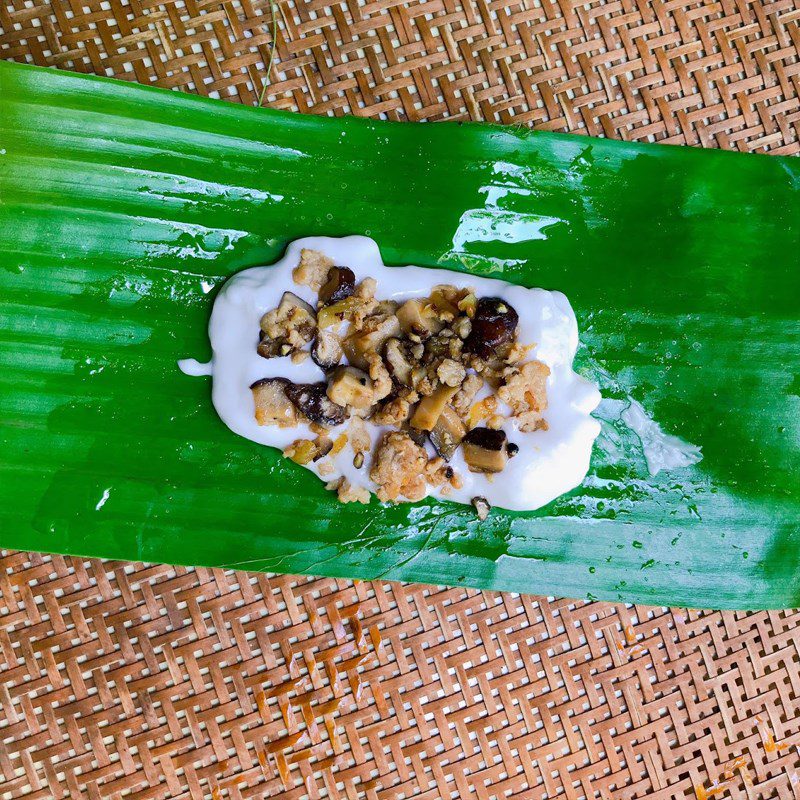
column 312, row 401
column 430, row 408
column 493, row 325
column 287, row 328
column 485, row 450
column 398, row 362
column 273, row 406
column 482, row 507
column 416, row 323
column 326, row 351
column 341, row 284
column 349, row 386
column 447, row 433
column 376, row 332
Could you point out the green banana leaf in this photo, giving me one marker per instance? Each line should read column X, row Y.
column 124, row 208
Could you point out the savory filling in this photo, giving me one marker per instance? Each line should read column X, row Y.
column 432, row 376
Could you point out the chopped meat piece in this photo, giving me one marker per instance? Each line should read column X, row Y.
column 365, row 302
column 423, row 383
column 347, row 492
column 381, row 379
column 518, row 353
column 482, row 410
column 399, row 468
column 437, row 472
column 495, row 422
column 525, row 390
column 451, row 373
column 462, row 402
column 393, row 412
column 313, row 269
column 326, row 467
column 462, row 327
column 359, row 436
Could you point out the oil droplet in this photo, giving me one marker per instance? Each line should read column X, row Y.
column 745, row 554
column 592, row 570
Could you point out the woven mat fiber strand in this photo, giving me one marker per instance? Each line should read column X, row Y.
column 124, row 680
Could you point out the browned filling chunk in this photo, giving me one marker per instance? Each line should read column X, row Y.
column 417, row 368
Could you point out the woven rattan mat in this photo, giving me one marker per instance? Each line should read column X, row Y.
column 122, row 680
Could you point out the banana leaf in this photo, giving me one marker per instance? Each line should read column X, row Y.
column 124, row 208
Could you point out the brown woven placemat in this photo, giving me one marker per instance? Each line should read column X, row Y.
column 135, row 681
column 723, row 73
column 124, row 680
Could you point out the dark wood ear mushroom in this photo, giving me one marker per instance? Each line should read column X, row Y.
column 494, row 324
column 312, row 401
column 485, row 450
column 341, row 284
